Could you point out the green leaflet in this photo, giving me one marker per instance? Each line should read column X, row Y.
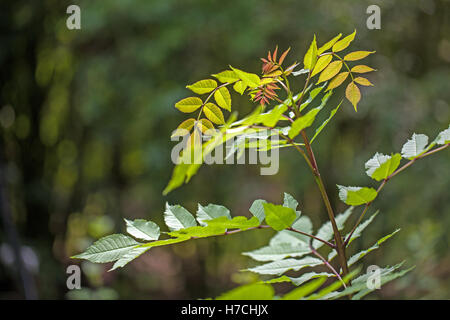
column 310, row 58
column 355, row 258
column 355, row 196
column 239, row 222
column 143, row 229
column 271, row 118
column 329, row 44
column 203, row 86
column 176, row 217
column 414, row 146
column 198, row 232
column 304, row 290
column 210, row 212
column 319, row 129
column 344, row 43
column 326, row 230
column 281, row 266
column 109, row 248
column 382, row 166
column 223, row 98
column 278, row 251
column 188, row 105
column 249, row 79
column 254, row 291
column 279, row 217
column 303, row 122
column 227, row 76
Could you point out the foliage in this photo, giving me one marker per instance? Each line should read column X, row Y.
column 294, row 246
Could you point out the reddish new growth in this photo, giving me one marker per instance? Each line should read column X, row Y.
column 271, row 72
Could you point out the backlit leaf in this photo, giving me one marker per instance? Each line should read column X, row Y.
column 321, row 64
column 344, row 43
column 319, row 129
column 254, row 291
column 239, row 222
column 281, row 266
column 329, row 44
column 382, row 166
column 330, row 71
column 184, row 128
column 249, row 79
column 362, row 69
column 213, row 113
column 303, row 122
column 227, row 76
column 353, row 94
column 279, row 217
column 239, row 87
column 223, row 98
column 363, row 81
column 188, row 105
column 357, row 55
column 355, row 196
column 203, row 86
column 338, row 80
column 311, row 55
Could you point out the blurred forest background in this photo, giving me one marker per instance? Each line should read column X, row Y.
column 86, row 117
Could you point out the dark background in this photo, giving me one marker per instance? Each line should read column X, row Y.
column 86, row 116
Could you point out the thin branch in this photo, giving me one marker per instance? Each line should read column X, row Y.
column 317, row 254
column 331, row 245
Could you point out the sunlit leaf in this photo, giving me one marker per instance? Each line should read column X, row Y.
column 223, row 98
column 300, row 292
column 329, row 44
column 239, row 87
column 353, row 94
column 362, row 69
column 188, row 105
column 279, row 217
column 382, row 166
column 363, row 81
column 330, row 71
column 443, row 137
column 311, row 55
column 213, row 113
column 344, row 43
column 321, row 64
column 249, row 79
column 205, row 125
column 357, row 55
column 303, row 122
column 355, row 196
column 184, row 128
column 227, row 76
column 239, row 222
column 203, row 86
column 338, row 80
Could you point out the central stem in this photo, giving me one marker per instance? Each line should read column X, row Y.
column 340, row 247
